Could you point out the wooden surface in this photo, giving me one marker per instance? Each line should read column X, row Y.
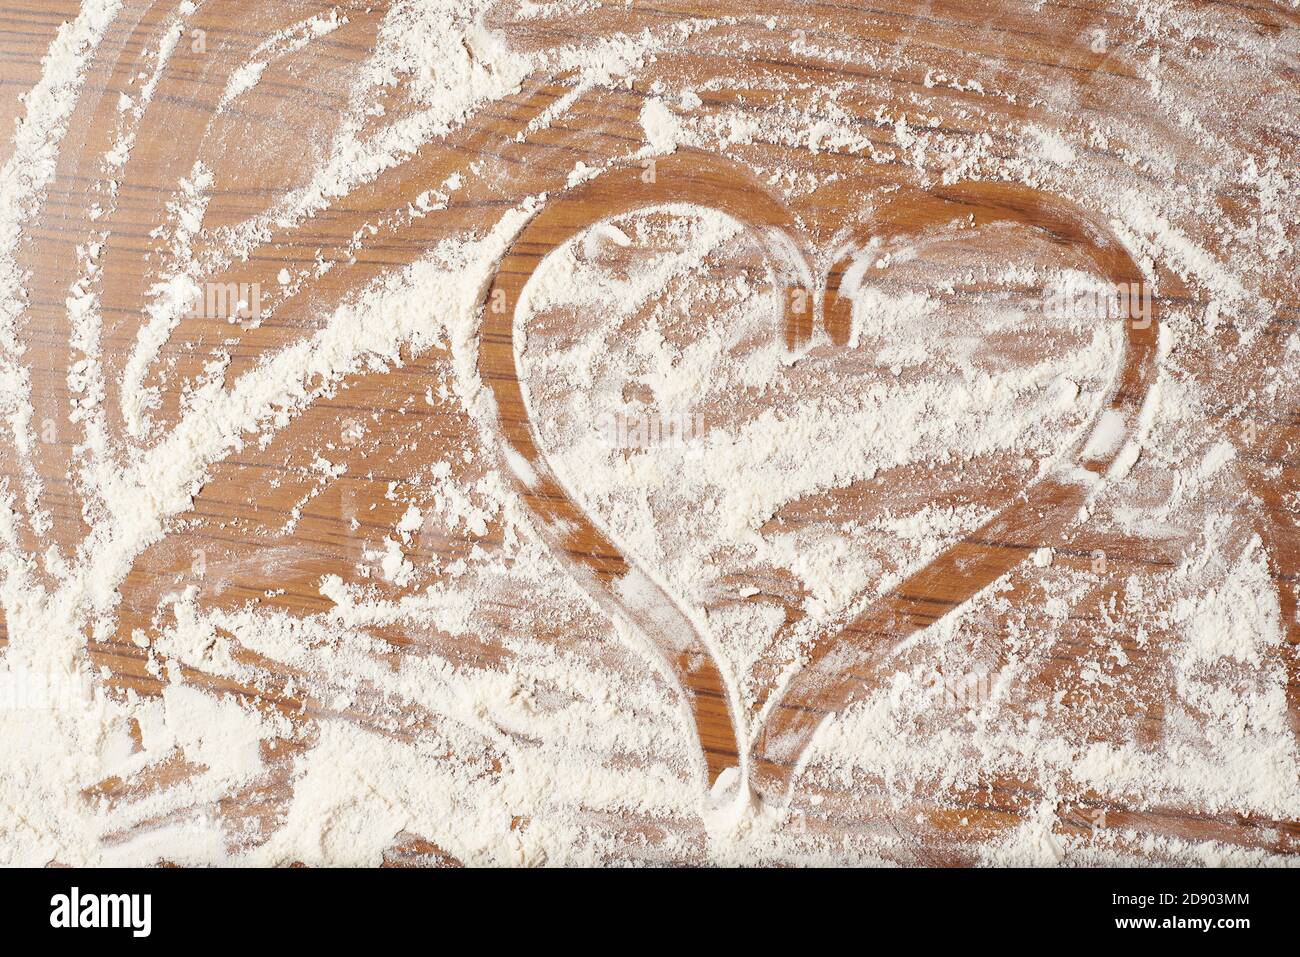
column 239, row 516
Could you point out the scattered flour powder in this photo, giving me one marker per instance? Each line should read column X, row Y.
column 444, row 689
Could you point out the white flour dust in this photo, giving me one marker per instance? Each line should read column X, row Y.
column 270, row 594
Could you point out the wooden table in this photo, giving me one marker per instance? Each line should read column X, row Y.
column 266, row 528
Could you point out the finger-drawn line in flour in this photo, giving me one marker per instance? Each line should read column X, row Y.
column 847, row 655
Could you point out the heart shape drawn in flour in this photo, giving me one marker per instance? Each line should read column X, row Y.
column 845, row 662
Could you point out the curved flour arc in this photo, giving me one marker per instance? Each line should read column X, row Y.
column 608, row 575
column 845, row 665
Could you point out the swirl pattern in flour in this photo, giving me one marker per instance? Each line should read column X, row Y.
column 273, row 583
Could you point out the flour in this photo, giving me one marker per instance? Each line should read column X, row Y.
column 443, row 677
column 284, row 43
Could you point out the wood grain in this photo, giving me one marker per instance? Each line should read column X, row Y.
column 239, row 517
